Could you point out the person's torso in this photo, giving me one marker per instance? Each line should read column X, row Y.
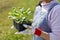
column 41, row 18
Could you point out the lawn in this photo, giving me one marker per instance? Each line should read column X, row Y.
column 6, row 33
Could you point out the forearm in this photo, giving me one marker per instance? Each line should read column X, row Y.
column 45, row 35
column 42, row 34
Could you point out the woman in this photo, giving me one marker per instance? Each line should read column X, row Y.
column 47, row 15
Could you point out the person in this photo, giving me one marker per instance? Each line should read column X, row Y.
column 47, row 13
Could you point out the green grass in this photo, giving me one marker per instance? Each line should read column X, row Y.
column 6, row 33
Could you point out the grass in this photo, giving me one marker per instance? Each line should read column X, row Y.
column 6, row 33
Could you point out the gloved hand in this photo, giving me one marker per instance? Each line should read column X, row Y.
column 27, row 26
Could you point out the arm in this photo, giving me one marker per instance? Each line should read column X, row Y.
column 38, row 8
column 45, row 35
column 38, row 32
column 55, row 26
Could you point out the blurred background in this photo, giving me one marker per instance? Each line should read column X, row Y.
column 6, row 33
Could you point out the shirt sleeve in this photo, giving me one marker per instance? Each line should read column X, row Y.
column 38, row 8
column 55, row 24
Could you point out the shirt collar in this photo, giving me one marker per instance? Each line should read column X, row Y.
column 48, row 5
